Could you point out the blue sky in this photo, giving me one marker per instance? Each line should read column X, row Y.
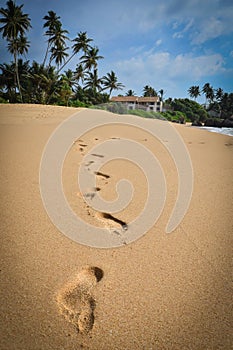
column 170, row 45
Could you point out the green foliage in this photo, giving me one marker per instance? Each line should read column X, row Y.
column 45, row 82
column 194, row 91
column 145, row 114
column 149, row 91
column 224, row 106
column 2, row 100
column 22, row 81
column 177, row 116
column 77, row 103
column 191, row 110
column 110, row 82
column 114, row 107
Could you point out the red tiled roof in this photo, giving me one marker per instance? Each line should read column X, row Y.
column 134, row 99
column 124, row 98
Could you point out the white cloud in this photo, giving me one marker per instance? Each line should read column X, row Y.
column 163, row 70
column 107, row 20
column 212, row 28
column 178, row 35
column 187, row 27
column 158, row 42
column 197, row 67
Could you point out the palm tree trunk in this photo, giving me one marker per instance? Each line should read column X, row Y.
column 110, row 92
column 46, row 55
column 17, row 76
column 70, row 58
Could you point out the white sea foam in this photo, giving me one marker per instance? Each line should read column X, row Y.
column 224, row 131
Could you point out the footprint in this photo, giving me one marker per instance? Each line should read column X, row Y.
column 112, row 219
column 90, row 195
column 97, row 155
column 75, row 301
column 89, row 163
column 98, row 173
column 92, row 192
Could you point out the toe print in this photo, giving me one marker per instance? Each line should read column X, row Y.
column 75, row 301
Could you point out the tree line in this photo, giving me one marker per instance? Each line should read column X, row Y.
column 217, row 101
column 48, row 81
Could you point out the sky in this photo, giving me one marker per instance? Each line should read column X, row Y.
column 169, row 45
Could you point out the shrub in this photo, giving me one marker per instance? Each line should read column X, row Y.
column 2, row 100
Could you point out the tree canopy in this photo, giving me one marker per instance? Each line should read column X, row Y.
column 48, row 81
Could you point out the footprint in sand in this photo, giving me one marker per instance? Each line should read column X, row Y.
column 92, row 192
column 97, row 155
column 98, row 173
column 75, row 300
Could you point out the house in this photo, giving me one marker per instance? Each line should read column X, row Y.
column 148, row 104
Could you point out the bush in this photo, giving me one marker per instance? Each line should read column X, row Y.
column 78, row 103
column 113, row 107
column 175, row 116
column 2, row 100
column 145, row 114
column 191, row 110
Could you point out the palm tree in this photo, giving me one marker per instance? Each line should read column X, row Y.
column 80, row 73
column 66, row 87
column 194, row 91
column 219, row 94
column 15, row 24
column 35, row 79
column 110, row 82
column 71, row 79
column 58, row 54
column 23, row 68
column 51, row 84
column 93, row 82
column 209, row 92
column 58, row 36
column 42, row 83
column 90, row 58
column 130, row 93
column 57, row 43
column 161, row 92
column 7, row 81
column 81, row 42
column 52, row 22
column 14, row 20
column 149, row 91
column 21, row 45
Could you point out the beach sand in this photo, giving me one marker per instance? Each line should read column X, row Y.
column 163, row 291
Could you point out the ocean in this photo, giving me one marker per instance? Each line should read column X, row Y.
column 224, row 131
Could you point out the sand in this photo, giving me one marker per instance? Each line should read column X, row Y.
column 163, row 291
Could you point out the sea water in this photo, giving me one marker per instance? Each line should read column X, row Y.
column 224, row 131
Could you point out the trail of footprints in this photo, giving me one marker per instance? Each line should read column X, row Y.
column 75, row 299
column 109, row 220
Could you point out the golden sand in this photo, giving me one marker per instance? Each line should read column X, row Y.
column 164, row 291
